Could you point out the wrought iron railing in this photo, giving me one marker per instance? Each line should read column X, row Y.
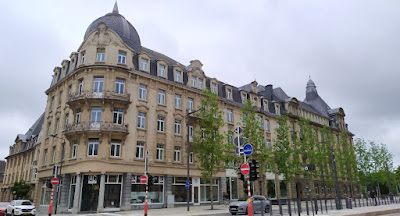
column 96, row 126
column 107, row 95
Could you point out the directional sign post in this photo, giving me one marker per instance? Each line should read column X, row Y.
column 248, row 149
column 245, row 169
column 54, row 181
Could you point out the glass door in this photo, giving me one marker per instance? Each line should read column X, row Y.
column 90, row 192
column 196, row 195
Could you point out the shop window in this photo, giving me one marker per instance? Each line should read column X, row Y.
column 72, row 192
column 155, row 191
column 112, row 191
column 179, row 190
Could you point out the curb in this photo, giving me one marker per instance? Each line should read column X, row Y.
column 382, row 212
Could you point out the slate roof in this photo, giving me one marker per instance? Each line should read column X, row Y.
column 319, row 104
column 280, row 94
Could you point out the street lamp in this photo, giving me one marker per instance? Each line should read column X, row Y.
column 61, row 163
column 189, row 113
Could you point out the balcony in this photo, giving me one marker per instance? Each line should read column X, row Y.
column 95, row 127
column 81, row 97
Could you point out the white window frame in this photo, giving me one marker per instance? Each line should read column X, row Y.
column 98, row 84
column 121, row 57
column 190, row 104
column 193, row 81
column 140, row 150
column 119, row 86
column 118, row 116
column 200, row 83
column 177, row 127
column 78, row 116
column 178, row 76
column 190, row 133
column 83, row 57
column 142, row 92
column 160, row 152
column 162, row 72
column 80, row 86
column 94, row 117
column 260, row 121
column 116, row 146
column 266, row 123
column 265, row 106
column 178, row 103
column 142, row 120
column 94, row 143
column 74, row 149
column 66, row 121
column 177, row 154
column 161, row 96
column 229, row 115
column 53, row 159
column 213, row 87
column 101, row 55
column 144, row 63
column 160, row 123
column 228, row 93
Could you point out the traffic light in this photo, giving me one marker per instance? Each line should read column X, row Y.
column 239, row 173
column 254, row 170
column 150, row 180
column 48, row 183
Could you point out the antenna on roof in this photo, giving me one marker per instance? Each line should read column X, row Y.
column 115, row 9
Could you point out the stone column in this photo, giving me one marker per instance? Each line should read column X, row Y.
column 100, row 206
column 126, row 192
column 75, row 208
column 168, row 190
column 64, row 194
column 222, row 188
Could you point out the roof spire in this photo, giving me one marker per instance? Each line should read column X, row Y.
column 115, row 9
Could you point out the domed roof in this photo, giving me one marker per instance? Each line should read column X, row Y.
column 121, row 26
column 310, row 83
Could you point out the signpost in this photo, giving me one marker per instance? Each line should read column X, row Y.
column 143, row 179
column 187, row 184
column 245, row 169
column 248, row 149
column 54, row 181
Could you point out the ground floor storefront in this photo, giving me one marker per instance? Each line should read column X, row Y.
column 119, row 192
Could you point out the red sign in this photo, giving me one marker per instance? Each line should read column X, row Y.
column 245, row 169
column 54, row 181
column 143, row 179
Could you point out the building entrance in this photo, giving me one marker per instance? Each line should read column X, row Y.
column 90, row 192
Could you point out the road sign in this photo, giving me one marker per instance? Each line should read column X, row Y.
column 245, row 169
column 248, row 149
column 143, row 179
column 187, row 184
column 238, row 130
column 54, row 181
column 239, row 141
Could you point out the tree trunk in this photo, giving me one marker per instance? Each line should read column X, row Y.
column 211, row 194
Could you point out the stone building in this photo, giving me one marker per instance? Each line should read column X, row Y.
column 114, row 99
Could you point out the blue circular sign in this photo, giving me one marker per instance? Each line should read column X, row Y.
column 247, row 149
column 187, row 184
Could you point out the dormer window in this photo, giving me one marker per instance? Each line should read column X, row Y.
column 161, row 70
column 265, row 105
column 101, row 55
column 178, row 76
column 277, row 109
column 213, row 87
column 200, row 83
column 254, row 101
column 244, row 97
column 122, row 57
column 193, row 81
column 229, row 93
column 144, row 64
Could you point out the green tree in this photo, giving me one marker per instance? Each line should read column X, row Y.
column 363, row 162
column 21, row 189
column 209, row 144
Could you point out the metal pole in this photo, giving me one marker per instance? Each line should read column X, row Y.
column 147, row 183
column 309, row 192
column 390, row 184
column 188, row 167
column 249, row 206
column 337, row 196
column 59, row 176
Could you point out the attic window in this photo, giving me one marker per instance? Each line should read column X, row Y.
column 178, row 76
column 277, row 109
column 144, row 64
column 101, row 55
column 161, row 70
column 265, row 105
column 244, row 97
column 228, row 93
column 213, row 87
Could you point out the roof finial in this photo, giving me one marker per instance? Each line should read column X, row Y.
column 115, row 9
column 309, row 76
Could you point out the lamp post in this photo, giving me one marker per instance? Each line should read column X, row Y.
column 59, row 175
column 337, row 196
column 189, row 113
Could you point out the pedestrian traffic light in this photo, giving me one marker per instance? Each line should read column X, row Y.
column 48, row 183
column 254, row 173
column 239, row 173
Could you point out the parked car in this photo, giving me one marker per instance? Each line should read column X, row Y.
column 3, row 207
column 21, row 207
column 260, row 203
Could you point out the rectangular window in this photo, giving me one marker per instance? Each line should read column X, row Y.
column 178, row 75
column 228, row 93
column 78, row 116
column 142, row 92
column 80, row 86
column 265, row 106
column 74, row 149
column 115, row 148
column 177, row 154
column 118, row 116
column 93, row 147
column 160, row 124
column 178, row 127
column 190, row 133
column 190, row 104
column 178, row 101
column 191, row 157
column 161, row 70
column 260, row 121
column 141, row 120
column 83, row 56
column 268, row 143
column 277, row 109
column 57, row 125
column 161, row 96
column 96, row 114
column 193, row 81
column 144, row 64
column 229, row 115
column 230, row 138
column 200, row 83
column 160, row 152
column 121, row 57
column 101, row 54
column 213, row 88
column 45, row 157
column 66, row 120
column 266, row 122
column 140, row 150
column 53, row 159
column 119, row 86
column 244, row 97
column 98, row 84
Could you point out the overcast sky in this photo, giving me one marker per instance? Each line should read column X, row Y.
column 351, row 50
